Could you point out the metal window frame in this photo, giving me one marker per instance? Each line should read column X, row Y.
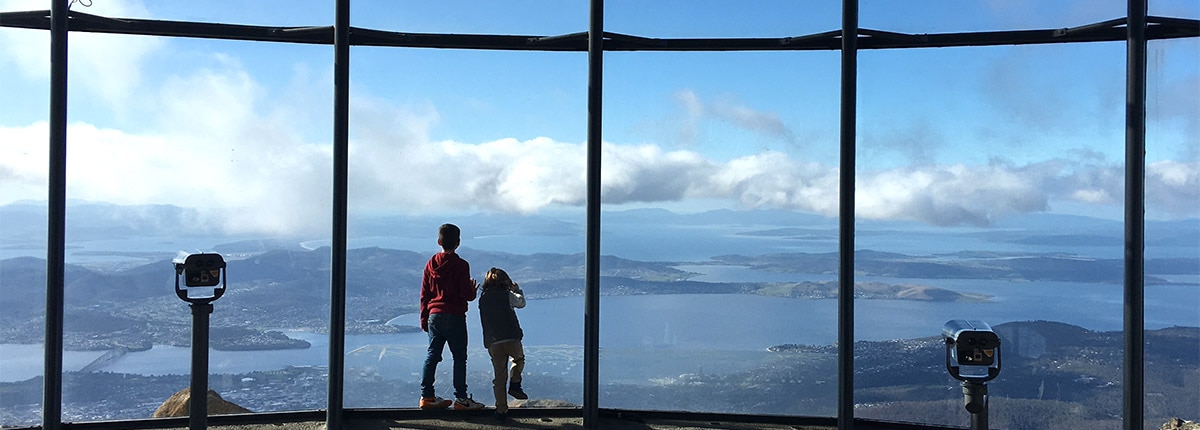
column 1115, row 30
column 1136, row 29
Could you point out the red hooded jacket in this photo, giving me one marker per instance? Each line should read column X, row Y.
column 446, row 287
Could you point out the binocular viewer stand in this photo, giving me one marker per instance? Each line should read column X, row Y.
column 200, row 270
column 973, row 357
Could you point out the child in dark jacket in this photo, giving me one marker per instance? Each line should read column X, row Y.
column 502, row 335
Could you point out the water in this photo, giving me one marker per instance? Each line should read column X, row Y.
column 685, row 324
column 727, row 328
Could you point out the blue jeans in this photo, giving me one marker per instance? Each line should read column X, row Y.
column 445, row 329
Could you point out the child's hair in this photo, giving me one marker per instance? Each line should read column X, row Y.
column 496, row 278
column 449, row 236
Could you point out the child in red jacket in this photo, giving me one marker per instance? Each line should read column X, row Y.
column 446, row 287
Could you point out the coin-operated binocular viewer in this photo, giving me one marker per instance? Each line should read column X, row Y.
column 973, row 357
column 204, row 281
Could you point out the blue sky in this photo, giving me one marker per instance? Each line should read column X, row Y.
column 950, row 136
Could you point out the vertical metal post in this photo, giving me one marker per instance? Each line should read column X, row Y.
column 56, row 219
column 845, row 406
column 198, row 405
column 975, row 395
column 1135, row 204
column 337, row 263
column 591, row 311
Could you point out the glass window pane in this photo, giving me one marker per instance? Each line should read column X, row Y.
column 523, row 17
column 22, row 290
column 492, row 142
column 990, row 187
column 24, row 73
column 950, row 16
column 1172, row 355
column 203, row 146
column 265, row 12
column 1174, row 8
column 720, row 18
column 720, row 221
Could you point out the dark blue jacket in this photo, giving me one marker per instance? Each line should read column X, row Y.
column 498, row 317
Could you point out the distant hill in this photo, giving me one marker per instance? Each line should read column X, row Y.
column 291, row 288
column 967, row 265
column 275, row 282
column 764, row 217
column 27, row 221
column 1054, row 376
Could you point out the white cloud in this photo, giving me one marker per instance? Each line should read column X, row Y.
column 107, row 66
column 766, row 123
column 23, row 162
column 1173, row 187
column 216, row 150
column 220, row 142
column 771, row 179
column 414, row 175
column 249, row 170
column 696, row 112
column 951, row 195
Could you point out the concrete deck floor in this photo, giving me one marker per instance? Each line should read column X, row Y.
column 531, row 420
column 545, row 423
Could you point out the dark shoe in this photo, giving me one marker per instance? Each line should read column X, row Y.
column 515, row 391
column 501, row 417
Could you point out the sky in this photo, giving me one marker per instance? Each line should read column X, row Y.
column 947, row 137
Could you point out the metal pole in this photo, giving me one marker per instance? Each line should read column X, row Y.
column 198, row 405
column 591, row 311
column 56, row 219
column 1135, row 205
column 979, row 421
column 337, row 263
column 975, row 396
column 845, row 406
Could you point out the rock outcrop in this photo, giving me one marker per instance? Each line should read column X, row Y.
column 1178, row 424
column 180, row 403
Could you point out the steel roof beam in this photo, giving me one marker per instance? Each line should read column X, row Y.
column 1106, row 31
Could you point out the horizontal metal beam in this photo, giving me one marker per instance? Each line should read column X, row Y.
column 1106, row 31
column 80, row 21
column 369, row 37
